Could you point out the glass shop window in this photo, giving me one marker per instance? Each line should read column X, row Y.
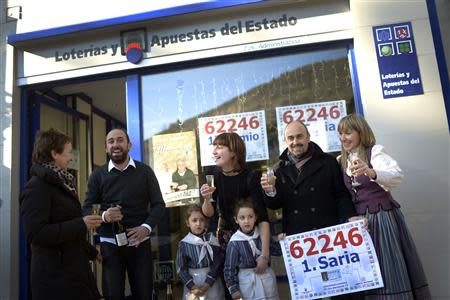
column 183, row 110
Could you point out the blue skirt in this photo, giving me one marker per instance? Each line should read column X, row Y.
column 402, row 271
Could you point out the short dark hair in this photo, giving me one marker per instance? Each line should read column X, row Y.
column 121, row 129
column 236, row 145
column 248, row 203
column 46, row 141
column 193, row 208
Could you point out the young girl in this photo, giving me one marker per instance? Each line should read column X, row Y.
column 199, row 259
column 243, row 249
column 369, row 174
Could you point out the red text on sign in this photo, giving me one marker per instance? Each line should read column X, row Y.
column 311, row 114
column 340, row 240
column 229, row 125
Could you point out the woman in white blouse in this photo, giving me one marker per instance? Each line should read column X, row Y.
column 369, row 174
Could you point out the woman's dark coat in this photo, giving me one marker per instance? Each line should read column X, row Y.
column 55, row 229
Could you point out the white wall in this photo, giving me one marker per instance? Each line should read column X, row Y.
column 414, row 130
column 45, row 14
column 8, row 203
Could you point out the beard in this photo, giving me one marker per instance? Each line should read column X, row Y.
column 298, row 150
column 118, row 159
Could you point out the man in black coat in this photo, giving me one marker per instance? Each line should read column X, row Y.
column 128, row 191
column 309, row 185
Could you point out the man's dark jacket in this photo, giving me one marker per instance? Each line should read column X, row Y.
column 311, row 199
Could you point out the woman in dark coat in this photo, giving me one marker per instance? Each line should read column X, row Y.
column 54, row 225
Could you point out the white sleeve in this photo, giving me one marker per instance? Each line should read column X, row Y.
column 389, row 174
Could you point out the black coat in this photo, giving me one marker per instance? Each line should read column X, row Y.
column 314, row 198
column 55, row 229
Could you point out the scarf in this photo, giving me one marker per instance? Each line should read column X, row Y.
column 193, row 239
column 67, row 179
column 240, row 236
column 303, row 159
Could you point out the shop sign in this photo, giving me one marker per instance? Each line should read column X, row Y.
column 320, row 118
column 155, row 43
column 331, row 261
column 133, row 44
column 397, row 60
column 251, row 126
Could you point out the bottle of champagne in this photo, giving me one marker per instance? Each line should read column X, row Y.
column 169, row 292
column 120, row 233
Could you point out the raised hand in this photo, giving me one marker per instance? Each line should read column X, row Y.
column 113, row 214
column 267, row 186
column 92, row 221
column 206, row 191
column 360, row 168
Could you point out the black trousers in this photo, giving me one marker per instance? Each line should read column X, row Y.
column 136, row 261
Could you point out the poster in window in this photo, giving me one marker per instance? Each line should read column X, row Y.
column 321, row 118
column 251, row 126
column 175, row 165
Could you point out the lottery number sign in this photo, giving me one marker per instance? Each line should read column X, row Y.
column 250, row 126
column 231, row 125
column 331, row 261
column 321, row 119
column 354, row 238
column 311, row 114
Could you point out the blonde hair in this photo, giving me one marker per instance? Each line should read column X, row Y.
column 367, row 138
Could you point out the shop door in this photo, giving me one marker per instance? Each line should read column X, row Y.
column 41, row 113
column 51, row 114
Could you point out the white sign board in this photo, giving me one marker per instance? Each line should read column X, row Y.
column 331, row 261
column 321, row 118
column 251, row 126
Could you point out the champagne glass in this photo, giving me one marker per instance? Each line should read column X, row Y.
column 210, row 182
column 352, row 159
column 96, row 209
column 270, row 176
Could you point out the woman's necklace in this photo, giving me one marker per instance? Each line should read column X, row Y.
column 232, row 172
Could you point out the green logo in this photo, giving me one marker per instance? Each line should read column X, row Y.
column 404, row 47
column 386, row 50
